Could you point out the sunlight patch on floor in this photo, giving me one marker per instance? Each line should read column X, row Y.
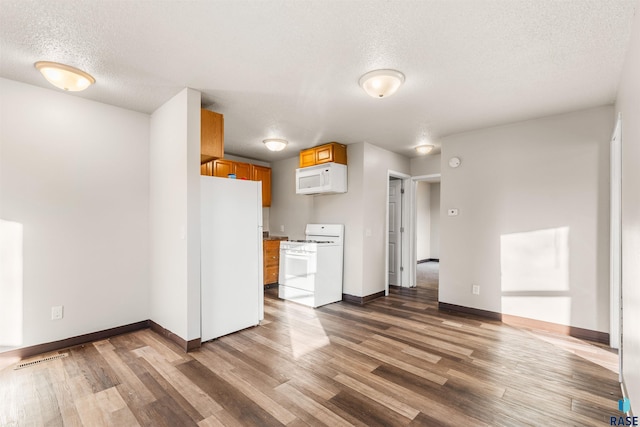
column 606, row 358
column 305, row 337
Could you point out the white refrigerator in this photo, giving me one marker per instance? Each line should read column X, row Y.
column 232, row 294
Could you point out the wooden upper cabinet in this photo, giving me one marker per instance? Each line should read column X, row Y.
column 307, row 157
column 206, row 168
column 262, row 173
column 211, row 135
column 331, row 152
column 242, row 170
column 222, row 168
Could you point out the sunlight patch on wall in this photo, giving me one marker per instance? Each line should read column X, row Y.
column 535, row 275
column 554, row 309
column 535, row 260
column 10, row 283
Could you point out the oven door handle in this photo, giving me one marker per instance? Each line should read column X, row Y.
column 297, row 253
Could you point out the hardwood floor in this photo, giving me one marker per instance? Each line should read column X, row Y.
column 396, row 361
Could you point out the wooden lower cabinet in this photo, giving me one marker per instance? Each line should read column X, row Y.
column 271, row 260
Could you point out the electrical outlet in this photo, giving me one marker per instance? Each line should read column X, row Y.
column 56, row 312
column 475, row 289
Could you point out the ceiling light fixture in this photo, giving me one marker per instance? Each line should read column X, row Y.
column 381, row 83
column 64, row 76
column 275, row 144
column 424, row 149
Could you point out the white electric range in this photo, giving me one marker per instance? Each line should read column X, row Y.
column 311, row 269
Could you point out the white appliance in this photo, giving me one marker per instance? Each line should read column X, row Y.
column 324, row 178
column 232, row 294
column 311, row 269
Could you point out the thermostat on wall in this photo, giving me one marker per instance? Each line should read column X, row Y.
column 454, row 162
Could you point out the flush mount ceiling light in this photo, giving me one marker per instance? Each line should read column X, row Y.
column 381, row 83
column 424, row 149
column 64, row 76
column 275, row 144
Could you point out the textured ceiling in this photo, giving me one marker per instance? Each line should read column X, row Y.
column 289, row 69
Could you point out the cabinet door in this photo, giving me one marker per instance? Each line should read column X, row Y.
column 242, row 170
column 222, row 168
column 261, row 173
column 206, row 169
column 211, row 135
column 324, row 154
column 307, row 157
column 271, row 255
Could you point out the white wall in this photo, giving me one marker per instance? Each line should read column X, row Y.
column 288, row 209
column 362, row 207
column 377, row 163
column 434, row 223
column 423, row 220
column 545, row 174
column 75, row 174
column 425, row 165
column 247, row 160
column 175, row 215
column 628, row 104
column 347, row 209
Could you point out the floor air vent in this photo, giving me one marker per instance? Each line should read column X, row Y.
column 44, row 359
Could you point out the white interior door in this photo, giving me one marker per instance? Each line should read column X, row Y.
column 395, row 234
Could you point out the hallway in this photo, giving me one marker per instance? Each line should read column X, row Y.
column 427, row 277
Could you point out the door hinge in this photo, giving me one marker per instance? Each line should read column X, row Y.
column 401, row 268
column 402, row 191
column 402, row 229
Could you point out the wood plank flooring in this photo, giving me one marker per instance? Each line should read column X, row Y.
column 396, row 361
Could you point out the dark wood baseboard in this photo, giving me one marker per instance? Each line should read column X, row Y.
column 445, row 306
column 74, row 341
column 421, row 261
column 523, row 322
column 585, row 334
column 182, row 343
column 352, row 299
column 102, row 335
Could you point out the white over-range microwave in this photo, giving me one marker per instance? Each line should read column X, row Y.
column 324, row 178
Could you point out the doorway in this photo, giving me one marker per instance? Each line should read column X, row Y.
column 395, row 231
column 397, row 245
column 425, row 234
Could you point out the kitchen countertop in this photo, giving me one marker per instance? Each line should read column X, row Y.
column 275, row 238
